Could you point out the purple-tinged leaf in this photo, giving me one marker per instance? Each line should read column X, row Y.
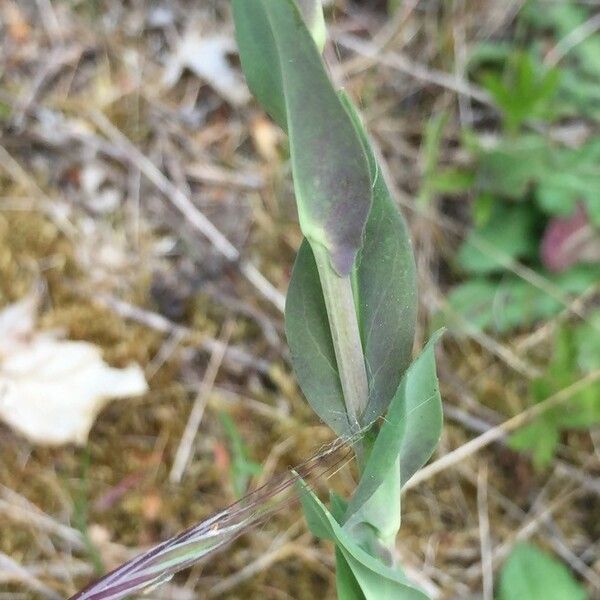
column 331, row 175
column 570, row 240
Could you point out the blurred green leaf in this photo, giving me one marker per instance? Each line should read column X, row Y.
column 242, row 467
column 524, row 90
column 393, row 6
column 490, row 53
column 579, row 95
column 531, row 574
column 511, row 167
column 510, row 302
column 564, row 18
column 572, row 176
column 385, row 294
column 435, row 179
column 510, row 230
column 451, row 181
column 557, row 177
column 540, row 438
column 430, row 153
column 483, row 209
column 5, row 108
column 580, row 412
column 587, row 342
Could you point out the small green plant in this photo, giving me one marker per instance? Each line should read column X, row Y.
column 242, row 468
column 576, row 353
column 350, row 321
column 434, row 178
column 530, row 573
column 535, row 240
column 528, row 183
column 523, row 91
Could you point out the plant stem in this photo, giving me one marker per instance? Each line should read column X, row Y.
column 343, row 322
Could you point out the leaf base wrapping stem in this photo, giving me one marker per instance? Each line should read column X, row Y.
column 343, row 321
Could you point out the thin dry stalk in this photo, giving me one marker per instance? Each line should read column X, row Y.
column 20, row 574
column 233, row 355
column 401, row 63
column 18, row 508
column 281, row 550
column 487, row 570
column 184, row 450
column 501, row 351
column 572, row 40
column 529, row 528
column 498, row 432
column 187, row 208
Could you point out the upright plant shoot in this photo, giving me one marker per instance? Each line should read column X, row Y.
column 350, row 321
column 351, row 305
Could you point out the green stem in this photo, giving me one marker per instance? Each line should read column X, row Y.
column 343, row 322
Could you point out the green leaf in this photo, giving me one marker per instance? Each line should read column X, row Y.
column 385, row 294
column 242, row 467
column 451, row 181
column 385, row 289
column 331, row 175
column 564, row 18
column 346, row 585
column 524, row 90
column 376, row 580
column 375, row 524
column 259, row 58
column 393, row 6
column 510, row 230
column 312, row 11
column 309, row 338
column 579, row 95
column 490, row 53
column 572, row 176
column 511, row 302
column 540, row 438
column 581, row 411
column 532, row 574
column 430, row 153
column 587, row 342
column 410, row 432
column 511, row 167
column 483, row 209
column 558, row 178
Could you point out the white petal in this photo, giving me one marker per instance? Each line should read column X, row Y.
column 52, row 390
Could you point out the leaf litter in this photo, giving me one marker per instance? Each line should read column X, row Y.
column 52, row 389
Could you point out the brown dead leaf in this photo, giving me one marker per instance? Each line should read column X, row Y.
column 265, row 137
column 18, row 27
column 152, row 506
